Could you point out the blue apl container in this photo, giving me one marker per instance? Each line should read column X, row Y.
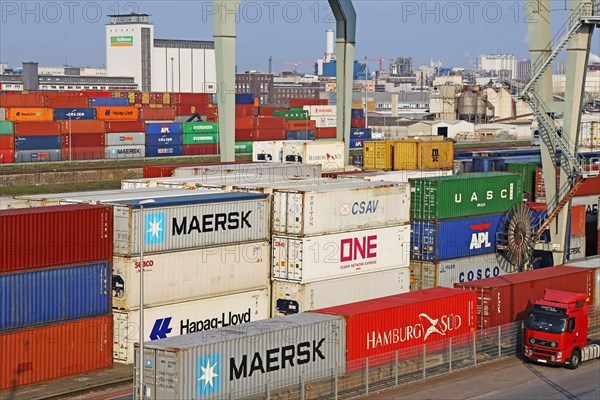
column 65, row 114
column 357, row 113
column 156, row 128
column 300, row 135
column 108, row 102
column 244, row 98
column 454, row 238
column 175, row 139
column 357, row 143
column 54, row 295
column 360, row 133
column 163, row 151
column 37, row 142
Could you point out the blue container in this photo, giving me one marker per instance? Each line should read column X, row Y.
column 164, row 151
column 360, row 133
column 244, row 98
column 164, row 140
column 62, row 114
column 108, row 102
column 54, row 295
column 300, row 135
column 37, row 142
column 357, row 113
column 357, row 143
column 155, row 128
column 454, row 238
column 483, row 164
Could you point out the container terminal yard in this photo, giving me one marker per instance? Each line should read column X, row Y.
column 164, row 241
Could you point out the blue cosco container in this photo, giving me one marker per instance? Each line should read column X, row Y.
column 357, row 113
column 54, row 295
column 357, row 143
column 163, row 151
column 62, row 114
column 244, row 98
column 175, row 139
column 454, row 238
column 155, row 128
column 108, row 102
column 360, row 133
column 37, row 142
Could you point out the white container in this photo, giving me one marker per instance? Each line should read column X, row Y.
column 183, row 318
column 576, row 248
column 291, row 298
column 321, row 111
column 347, row 206
column 334, row 256
column 270, row 187
column 267, row 151
column 325, row 122
column 125, row 152
column 172, row 224
column 251, row 172
column 328, row 154
column 8, row 203
column 404, row 176
column 55, row 198
column 591, row 206
column 2, row 114
column 230, row 182
column 125, row 139
column 135, row 195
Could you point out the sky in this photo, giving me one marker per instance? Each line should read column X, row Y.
column 69, row 32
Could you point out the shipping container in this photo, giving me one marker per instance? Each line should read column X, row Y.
column 28, row 156
column 347, row 206
column 577, row 245
column 268, row 151
column 48, row 128
column 187, row 317
column 329, row 154
column 37, row 142
column 200, row 149
column 116, row 113
column 108, row 102
column 7, row 156
column 164, row 139
column 506, row 299
column 325, row 122
column 7, row 128
column 274, row 123
column 326, row 133
column 295, row 103
column 291, row 297
column 427, row 154
column 150, row 113
column 82, row 153
column 591, row 207
column 357, row 113
column 125, row 139
column 400, row 176
column 593, row 264
column 577, row 216
column 357, row 144
column 464, row 195
column 7, row 142
column 379, row 328
column 527, row 172
column 300, row 135
column 320, row 111
column 179, row 223
column 244, row 110
column 2, row 115
column 191, row 98
column 200, row 138
column 81, row 126
column 200, row 127
column 65, row 100
column 244, row 147
column 84, row 140
column 251, row 172
column 291, row 114
column 125, row 152
column 46, row 296
column 124, row 126
column 163, row 151
column 55, row 351
column 156, row 128
column 22, row 100
column 71, row 114
column 244, row 98
column 428, row 274
column 265, row 134
column 29, row 114
column 358, row 123
column 379, row 155
column 109, row 197
column 302, row 125
column 360, row 133
column 333, row 256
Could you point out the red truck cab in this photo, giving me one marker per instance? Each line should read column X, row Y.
column 556, row 330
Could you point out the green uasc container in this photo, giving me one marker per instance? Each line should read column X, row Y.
column 200, row 127
column 7, row 128
column 291, row 114
column 200, row 138
column 527, row 172
column 243, row 147
column 464, row 195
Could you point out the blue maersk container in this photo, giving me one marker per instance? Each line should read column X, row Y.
column 108, row 102
column 175, row 139
column 244, row 98
column 62, row 114
column 163, row 151
column 156, row 128
column 37, row 142
column 360, row 133
column 53, row 295
column 454, row 238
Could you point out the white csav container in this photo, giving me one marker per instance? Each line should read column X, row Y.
column 327, row 153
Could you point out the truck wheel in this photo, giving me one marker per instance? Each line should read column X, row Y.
column 575, row 359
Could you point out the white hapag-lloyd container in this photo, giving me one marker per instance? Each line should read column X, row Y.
column 591, row 206
column 125, row 139
column 317, row 258
column 325, row 122
column 321, row 111
column 267, row 151
column 180, row 223
column 427, row 274
column 347, row 206
column 128, row 151
column 291, row 298
column 187, row 317
column 188, row 275
column 577, row 248
column 404, row 176
column 328, row 154
column 251, row 172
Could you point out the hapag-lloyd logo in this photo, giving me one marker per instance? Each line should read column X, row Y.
column 422, row 330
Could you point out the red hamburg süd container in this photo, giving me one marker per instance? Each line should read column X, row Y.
column 55, row 351
column 33, row 99
column 299, row 103
column 157, row 114
column 65, row 100
column 7, row 156
column 7, row 142
column 45, row 128
column 83, row 140
column 83, row 153
column 326, row 133
column 81, row 126
column 244, row 110
column 200, row 149
column 124, row 126
column 508, row 298
column 32, row 238
column 269, row 123
column 381, row 326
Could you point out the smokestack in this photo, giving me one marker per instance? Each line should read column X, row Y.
column 329, row 52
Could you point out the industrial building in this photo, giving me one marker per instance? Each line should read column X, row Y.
column 498, row 63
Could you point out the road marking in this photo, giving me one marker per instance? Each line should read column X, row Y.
column 483, row 396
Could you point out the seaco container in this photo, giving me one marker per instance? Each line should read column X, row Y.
column 62, row 114
column 329, row 154
column 179, row 223
column 55, row 351
column 41, row 237
column 292, row 298
column 506, row 299
column 187, row 275
column 267, row 151
column 341, row 254
column 464, row 195
column 45, row 296
column 427, row 274
column 187, row 317
column 380, row 327
column 454, row 238
column 314, row 210
column 239, row 360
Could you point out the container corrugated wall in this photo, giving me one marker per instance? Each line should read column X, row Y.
column 378, row 155
column 592, row 263
column 252, row 172
column 180, row 369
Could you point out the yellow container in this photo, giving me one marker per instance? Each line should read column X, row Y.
column 166, row 98
column 131, row 97
column 378, row 154
column 145, row 98
column 423, row 155
column 24, row 114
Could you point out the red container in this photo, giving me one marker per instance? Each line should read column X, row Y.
column 591, row 186
column 81, row 126
column 96, row 93
column 269, row 123
column 55, row 351
column 82, row 153
column 244, row 110
column 381, row 326
column 357, row 123
column 196, row 99
column 326, row 133
column 200, row 149
column 32, row 238
column 33, row 99
column 244, row 123
column 505, row 299
column 157, row 114
column 577, row 215
column 83, row 140
column 124, row 126
column 267, row 111
column 161, row 171
column 299, row 103
column 46, row 128
column 189, row 110
column 7, row 142
column 244, row 135
column 66, row 100
column 301, row 125
column 268, row 134
column 7, row 156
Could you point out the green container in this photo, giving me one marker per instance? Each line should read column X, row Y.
column 7, row 128
column 464, row 195
column 291, row 114
column 243, row 147
column 200, row 127
column 527, row 172
column 200, row 138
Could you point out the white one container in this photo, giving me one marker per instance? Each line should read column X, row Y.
column 125, row 139
column 576, row 247
column 325, row 122
column 291, row 298
column 190, row 275
column 347, row 206
column 251, row 172
column 267, row 151
column 328, row 154
column 334, row 256
column 130, row 151
column 321, row 111
column 183, row 318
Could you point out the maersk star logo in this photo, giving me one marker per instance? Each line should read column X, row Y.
column 208, row 374
column 155, row 228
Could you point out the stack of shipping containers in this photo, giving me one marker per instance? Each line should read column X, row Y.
column 164, row 139
column 359, row 133
column 325, row 120
column 200, row 138
column 7, row 140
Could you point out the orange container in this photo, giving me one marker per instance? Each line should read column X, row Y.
column 578, row 220
column 301, row 125
column 123, row 113
column 326, row 133
column 34, row 99
column 47, row 128
column 7, row 142
column 29, row 114
column 55, row 351
column 81, row 126
column 244, row 123
column 7, row 156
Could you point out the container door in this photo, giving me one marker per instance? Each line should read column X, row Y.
column 295, row 214
column 280, row 258
column 166, row 384
column 295, row 253
column 279, row 219
column 121, row 336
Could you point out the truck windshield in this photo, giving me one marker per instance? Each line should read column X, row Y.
column 544, row 323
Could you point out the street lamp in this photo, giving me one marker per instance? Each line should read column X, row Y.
column 366, row 99
column 142, row 242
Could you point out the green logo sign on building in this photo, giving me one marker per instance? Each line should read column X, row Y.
column 121, row 41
